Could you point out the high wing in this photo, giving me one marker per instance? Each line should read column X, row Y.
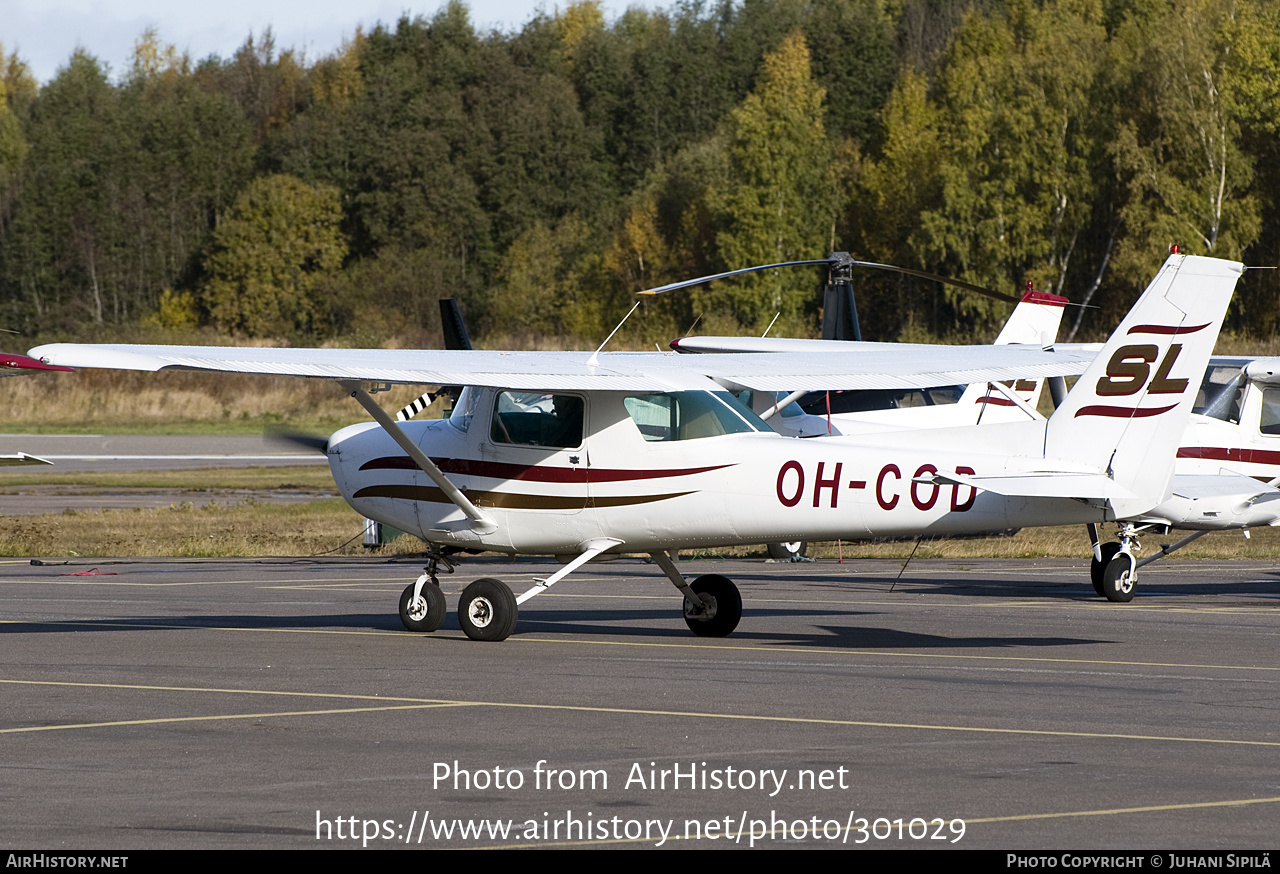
column 867, row 366
column 711, row 345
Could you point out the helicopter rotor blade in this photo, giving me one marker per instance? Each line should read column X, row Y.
column 663, row 289
column 837, row 260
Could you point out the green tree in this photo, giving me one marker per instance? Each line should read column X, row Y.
column 852, row 42
column 58, row 257
column 779, row 199
column 267, row 254
column 1255, row 33
column 888, row 195
column 1021, row 148
column 1179, row 152
column 544, row 283
column 13, row 145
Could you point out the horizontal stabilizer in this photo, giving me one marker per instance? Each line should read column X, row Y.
column 1078, row 486
column 21, row 458
column 1222, row 485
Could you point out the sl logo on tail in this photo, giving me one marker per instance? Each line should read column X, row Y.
column 1130, row 368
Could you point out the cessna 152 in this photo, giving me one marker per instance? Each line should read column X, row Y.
column 578, row 456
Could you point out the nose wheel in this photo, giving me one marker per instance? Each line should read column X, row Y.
column 422, row 611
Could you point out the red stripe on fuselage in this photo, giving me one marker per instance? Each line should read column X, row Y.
column 533, row 473
column 1231, row 453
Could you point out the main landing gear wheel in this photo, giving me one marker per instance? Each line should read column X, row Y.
column 721, row 608
column 791, row 551
column 1096, row 566
column 424, row 613
column 1118, row 578
column 487, row 610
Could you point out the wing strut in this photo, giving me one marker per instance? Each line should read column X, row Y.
column 590, row 550
column 480, row 523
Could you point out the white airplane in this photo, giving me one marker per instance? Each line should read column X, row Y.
column 18, row 365
column 1034, row 320
column 1227, row 467
column 582, row 456
column 1225, row 476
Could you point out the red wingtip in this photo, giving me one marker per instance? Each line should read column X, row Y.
column 22, row 362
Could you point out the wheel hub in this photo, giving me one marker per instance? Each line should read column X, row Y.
column 704, row 612
column 1125, row 582
column 480, row 612
column 417, row 609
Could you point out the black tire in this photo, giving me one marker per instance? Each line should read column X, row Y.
column 1096, row 566
column 1118, row 579
column 487, row 610
column 722, row 613
column 785, row 552
column 425, row 615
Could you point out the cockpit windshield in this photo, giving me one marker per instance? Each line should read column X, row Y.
column 1220, row 393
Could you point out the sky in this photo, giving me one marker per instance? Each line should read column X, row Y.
column 46, row 32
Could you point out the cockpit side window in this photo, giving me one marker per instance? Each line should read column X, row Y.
column 531, row 418
column 1270, row 421
column 690, row 415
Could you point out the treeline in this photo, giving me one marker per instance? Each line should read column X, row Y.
column 543, row 176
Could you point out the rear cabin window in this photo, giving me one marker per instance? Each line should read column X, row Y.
column 690, row 415
column 530, row 418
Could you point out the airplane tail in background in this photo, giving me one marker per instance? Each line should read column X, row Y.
column 1128, row 411
column 1034, row 321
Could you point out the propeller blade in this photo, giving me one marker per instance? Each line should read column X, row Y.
column 295, row 439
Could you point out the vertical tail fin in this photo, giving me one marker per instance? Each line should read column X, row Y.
column 1035, row 320
column 1127, row 413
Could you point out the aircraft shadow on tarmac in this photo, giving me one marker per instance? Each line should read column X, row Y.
column 639, row 623
column 1151, row 584
column 756, row 625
